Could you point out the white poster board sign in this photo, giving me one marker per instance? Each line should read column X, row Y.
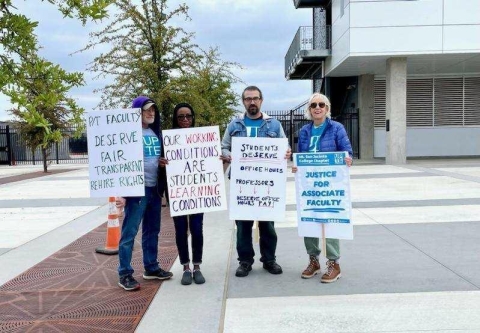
column 115, row 153
column 322, row 185
column 194, row 171
column 258, row 179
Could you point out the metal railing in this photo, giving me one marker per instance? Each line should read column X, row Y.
column 293, row 120
column 351, row 121
column 14, row 150
column 305, row 40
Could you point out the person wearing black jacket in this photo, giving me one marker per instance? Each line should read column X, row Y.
column 184, row 117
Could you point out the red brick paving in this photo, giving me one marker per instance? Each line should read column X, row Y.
column 31, row 175
column 75, row 289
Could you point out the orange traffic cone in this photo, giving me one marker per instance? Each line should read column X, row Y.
column 113, row 230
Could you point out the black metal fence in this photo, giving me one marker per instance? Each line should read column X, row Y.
column 349, row 119
column 293, row 120
column 13, row 149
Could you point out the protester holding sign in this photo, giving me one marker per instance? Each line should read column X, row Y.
column 254, row 123
column 322, row 135
column 184, row 117
column 146, row 208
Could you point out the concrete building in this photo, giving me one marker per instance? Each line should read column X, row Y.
column 410, row 68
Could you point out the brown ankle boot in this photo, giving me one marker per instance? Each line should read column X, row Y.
column 312, row 268
column 333, row 272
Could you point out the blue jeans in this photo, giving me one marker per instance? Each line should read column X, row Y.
column 136, row 209
column 182, row 224
column 268, row 241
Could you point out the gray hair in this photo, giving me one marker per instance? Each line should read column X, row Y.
column 324, row 99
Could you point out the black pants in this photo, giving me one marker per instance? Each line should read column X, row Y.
column 193, row 222
column 268, row 241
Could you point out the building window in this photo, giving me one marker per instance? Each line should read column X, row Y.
column 471, row 101
column 434, row 102
column 419, row 99
column 379, row 103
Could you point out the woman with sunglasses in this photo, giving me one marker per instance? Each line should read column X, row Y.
column 322, row 135
column 184, row 117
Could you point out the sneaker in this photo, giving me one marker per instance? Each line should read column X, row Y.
column 312, row 269
column 333, row 272
column 128, row 283
column 186, row 277
column 272, row 267
column 198, row 277
column 159, row 274
column 243, row 269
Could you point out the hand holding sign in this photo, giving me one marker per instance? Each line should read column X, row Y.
column 322, row 184
column 258, row 179
column 194, row 174
column 115, row 152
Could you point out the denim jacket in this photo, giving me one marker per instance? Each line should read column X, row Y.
column 334, row 138
column 270, row 128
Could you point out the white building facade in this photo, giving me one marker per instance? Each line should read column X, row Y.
column 410, row 67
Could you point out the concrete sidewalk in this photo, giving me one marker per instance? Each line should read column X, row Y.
column 39, row 216
column 412, row 267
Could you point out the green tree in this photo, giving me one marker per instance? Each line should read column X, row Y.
column 148, row 56
column 44, row 110
column 144, row 53
column 17, row 32
column 208, row 88
column 37, row 88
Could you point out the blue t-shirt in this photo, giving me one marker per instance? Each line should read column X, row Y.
column 315, row 139
column 151, row 155
column 252, row 126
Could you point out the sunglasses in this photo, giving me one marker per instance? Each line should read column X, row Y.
column 184, row 116
column 314, row 105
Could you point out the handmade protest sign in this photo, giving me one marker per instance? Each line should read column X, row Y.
column 322, row 185
column 194, row 171
column 258, row 179
column 115, row 153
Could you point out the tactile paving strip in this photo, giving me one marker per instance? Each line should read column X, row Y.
column 75, row 289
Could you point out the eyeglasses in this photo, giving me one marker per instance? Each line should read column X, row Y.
column 184, row 116
column 314, row 105
column 250, row 99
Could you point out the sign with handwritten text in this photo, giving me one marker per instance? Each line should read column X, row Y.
column 258, row 179
column 323, row 194
column 115, row 153
column 194, row 171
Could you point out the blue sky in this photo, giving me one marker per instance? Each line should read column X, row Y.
column 256, row 34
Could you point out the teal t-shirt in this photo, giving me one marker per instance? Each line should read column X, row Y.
column 252, row 126
column 151, row 156
column 315, row 138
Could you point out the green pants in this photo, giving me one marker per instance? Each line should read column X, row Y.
column 333, row 247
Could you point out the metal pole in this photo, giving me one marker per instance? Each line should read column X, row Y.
column 56, row 153
column 9, row 145
column 292, row 143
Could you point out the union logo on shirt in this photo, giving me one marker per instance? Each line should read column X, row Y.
column 151, row 146
column 252, row 132
column 314, row 141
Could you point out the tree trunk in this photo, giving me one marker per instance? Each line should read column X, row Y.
column 44, row 156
